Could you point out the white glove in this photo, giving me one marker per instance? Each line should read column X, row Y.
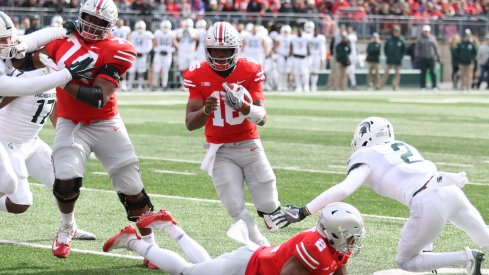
column 20, row 49
column 49, row 63
column 234, row 96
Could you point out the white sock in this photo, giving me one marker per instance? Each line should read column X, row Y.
column 3, row 203
column 253, row 231
column 314, row 82
column 67, row 218
column 150, row 238
column 192, row 249
column 165, row 260
column 174, row 231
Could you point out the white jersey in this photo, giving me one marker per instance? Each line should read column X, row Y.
column 143, row 42
column 397, row 169
column 352, row 37
column 299, row 45
column 317, row 46
column 200, row 48
column 22, row 119
column 186, row 41
column 121, row 32
column 164, row 41
column 254, row 46
column 284, row 41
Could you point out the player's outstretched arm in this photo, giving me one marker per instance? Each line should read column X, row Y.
column 290, row 214
column 11, row 86
column 294, row 267
column 37, row 39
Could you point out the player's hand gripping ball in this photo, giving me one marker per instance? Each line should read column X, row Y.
column 236, row 96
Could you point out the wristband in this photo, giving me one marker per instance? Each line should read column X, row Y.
column 203, row 111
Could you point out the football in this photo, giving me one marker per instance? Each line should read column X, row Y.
column 236, row 88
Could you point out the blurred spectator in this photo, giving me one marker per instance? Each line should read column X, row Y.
column 30, row 4
column 467, row 51
column 25, row 23
column 427, row 53
column 286, row 7
column 453, row 44
column 342, row 53
column 213, row 6
column 483, row 61
column 144, row 7
column 274, row 6
column 339, row 4
column 373, row 61
column 394, row 50
column 198, row 6
column 254, row 6
column 229, row 6
column 173, row 8
column 54, row 4
column 34, row 25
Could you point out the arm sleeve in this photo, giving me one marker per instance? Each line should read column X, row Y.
column 352, row 182
column 11, row 86
column 42, row 37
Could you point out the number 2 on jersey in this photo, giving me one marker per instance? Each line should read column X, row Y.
column 407, row 155
column 40, row 108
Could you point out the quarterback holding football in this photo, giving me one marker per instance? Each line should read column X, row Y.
column 225, row 96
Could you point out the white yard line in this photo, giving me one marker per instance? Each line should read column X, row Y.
column 455, row 164
column 170, row 159
column 174, row 172
column 73, row 250
column 439, row 271
column 100, row 173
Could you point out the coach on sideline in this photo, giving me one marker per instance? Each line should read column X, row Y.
column 426, row 51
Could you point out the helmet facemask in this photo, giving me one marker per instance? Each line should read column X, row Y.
column 225, row 60
column 93, row 28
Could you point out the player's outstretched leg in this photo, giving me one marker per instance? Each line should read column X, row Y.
column 163, row 221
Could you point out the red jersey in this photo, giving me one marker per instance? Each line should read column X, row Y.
column 308, row 247
column 226, row 125
column 112, row 50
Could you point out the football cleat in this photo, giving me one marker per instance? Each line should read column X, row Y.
column 475, row 259
column 121, row 239
column 62, row 242
column 149, row 265
column 158, row 220
column 84, row 235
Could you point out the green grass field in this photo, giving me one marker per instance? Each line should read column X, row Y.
column 307, row 140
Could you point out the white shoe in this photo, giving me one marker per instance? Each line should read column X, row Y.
column 84, row 235
column 121, row 239
column 474, row 260
column 61, row 246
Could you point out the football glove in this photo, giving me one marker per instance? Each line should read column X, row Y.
column 234, row 96
column 79, row 68
column 19, row 50
column 70, row 26
column 288, row 215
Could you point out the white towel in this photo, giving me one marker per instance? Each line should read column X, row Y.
column 239, row 232
column 210, row 157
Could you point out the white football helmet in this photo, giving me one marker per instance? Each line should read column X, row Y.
column 188, row 23
column 222, row 35
column 309, row 27
column 106, row 13
column 372, row 131
column 285, row 30
column 8, row 36
column 201, row 24
column 343, row 226
column 165, row 25
column 57, row 21
column 140, row 26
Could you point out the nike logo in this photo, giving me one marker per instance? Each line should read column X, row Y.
column 116, row 129
column 253, row 149
column 294, row 215
column 55, row 244
column 93, row 47
column 239, row 82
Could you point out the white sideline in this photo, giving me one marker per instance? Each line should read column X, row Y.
column 107, row 254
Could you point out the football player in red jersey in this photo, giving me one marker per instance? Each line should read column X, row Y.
column 324, row 249
column 225, row 96
column 89, row 121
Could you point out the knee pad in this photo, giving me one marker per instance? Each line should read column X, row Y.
column 134, row 208
column 67, row 191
